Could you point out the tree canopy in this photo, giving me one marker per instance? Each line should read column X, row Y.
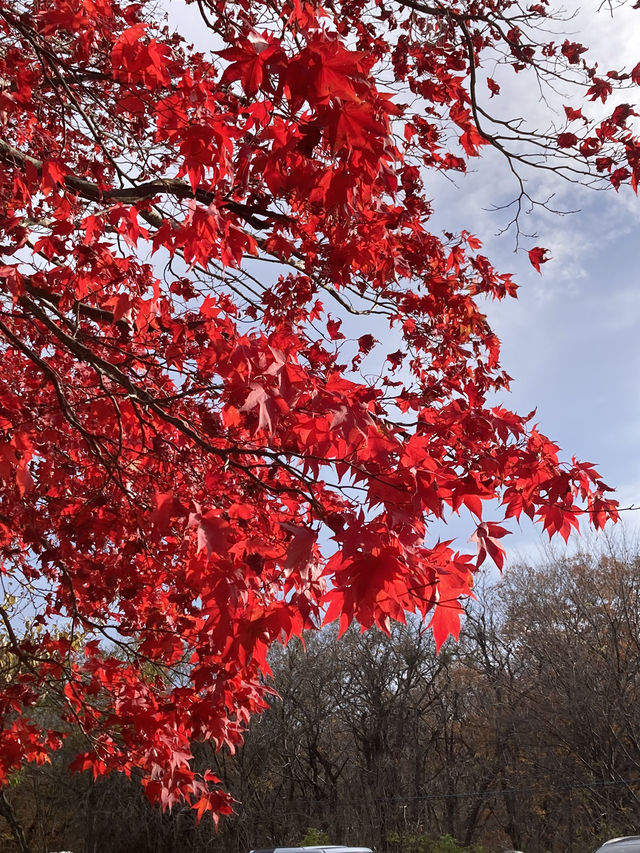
column 205, row 449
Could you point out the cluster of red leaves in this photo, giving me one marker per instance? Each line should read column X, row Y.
column 176, row 453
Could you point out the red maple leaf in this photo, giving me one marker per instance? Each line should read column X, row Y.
column 537, row 257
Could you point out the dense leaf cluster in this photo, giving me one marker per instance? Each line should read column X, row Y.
column 177, row 447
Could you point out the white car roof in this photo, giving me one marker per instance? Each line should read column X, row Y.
column 320, row 848
column 628, row 844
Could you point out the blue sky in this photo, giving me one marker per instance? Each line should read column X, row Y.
column 571, row 341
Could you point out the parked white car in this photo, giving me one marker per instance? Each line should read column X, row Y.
column 320, row 848
column 628, row 844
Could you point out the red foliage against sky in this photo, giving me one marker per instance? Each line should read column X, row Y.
column 240, row 375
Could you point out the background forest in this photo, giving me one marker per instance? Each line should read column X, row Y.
column 525, row 734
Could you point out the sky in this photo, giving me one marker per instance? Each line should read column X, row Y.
column 571, row 341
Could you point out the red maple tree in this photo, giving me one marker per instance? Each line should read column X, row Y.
column 196, row 460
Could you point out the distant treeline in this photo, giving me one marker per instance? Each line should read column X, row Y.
column 524, row 735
